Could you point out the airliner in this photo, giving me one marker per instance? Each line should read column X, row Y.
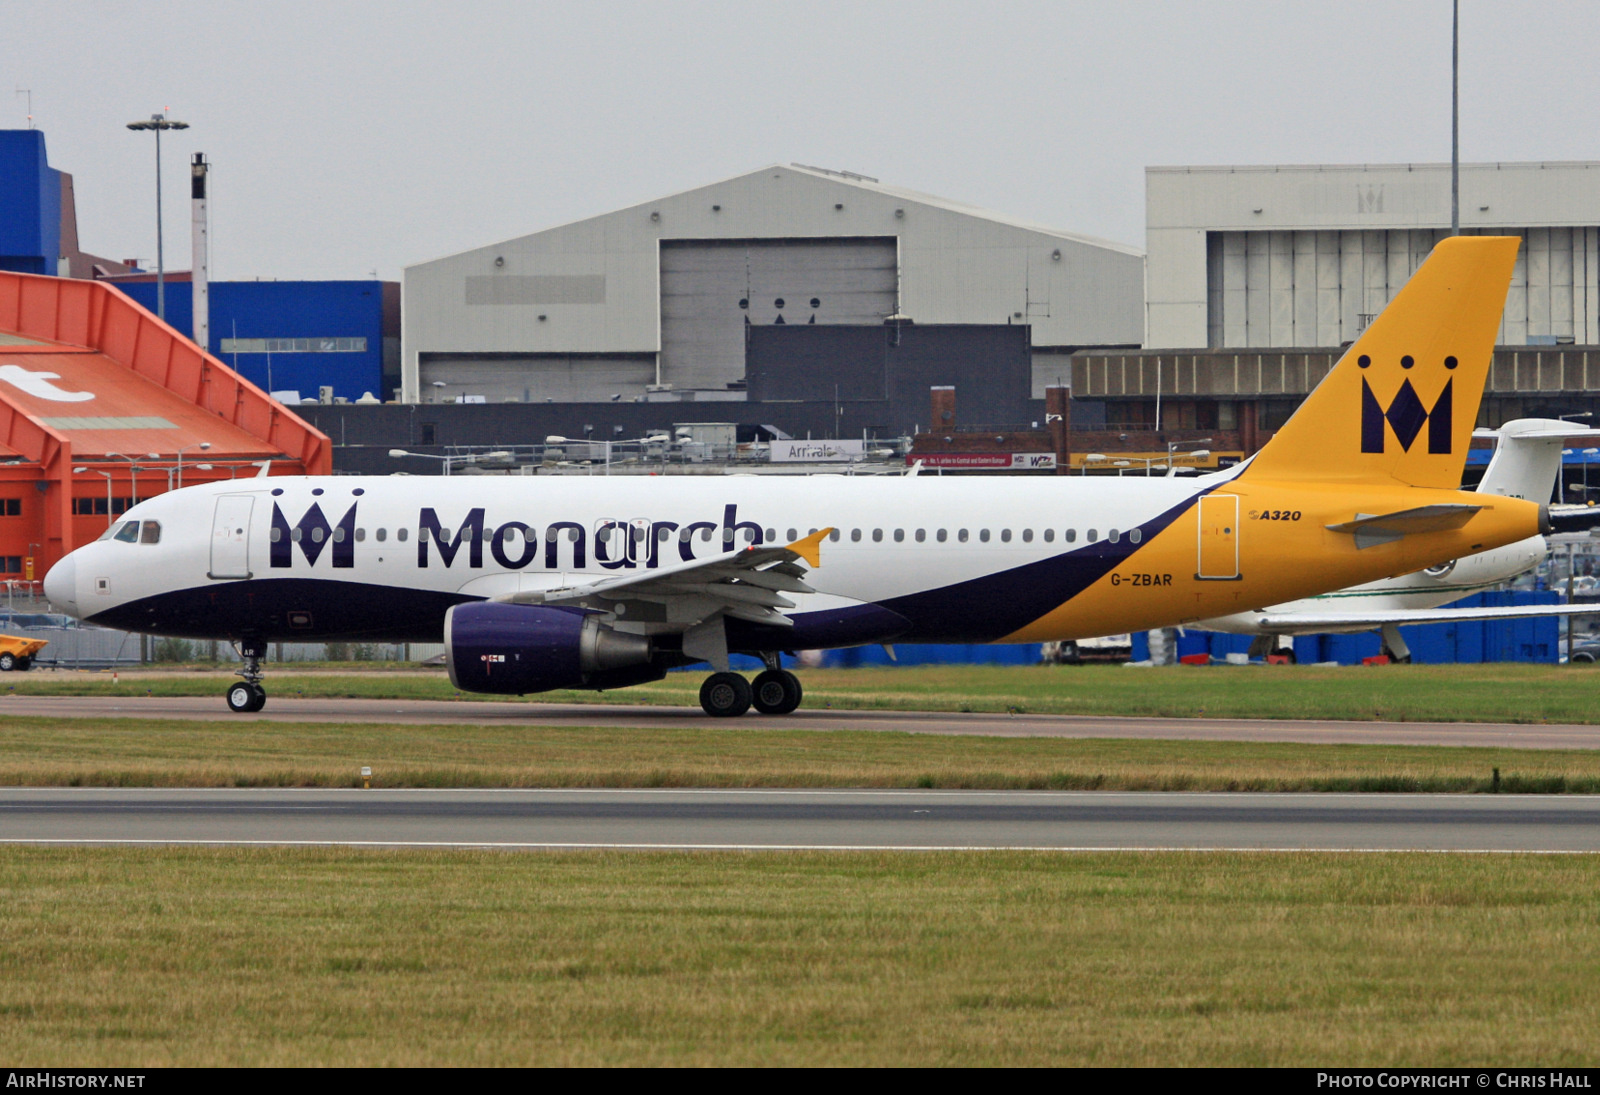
column 1525, row 464
column 547, row 583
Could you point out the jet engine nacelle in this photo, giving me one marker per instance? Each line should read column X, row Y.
column 516, row 649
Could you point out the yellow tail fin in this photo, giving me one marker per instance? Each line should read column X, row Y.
column 1401, row 403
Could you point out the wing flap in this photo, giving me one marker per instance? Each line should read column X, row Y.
column 745, row 585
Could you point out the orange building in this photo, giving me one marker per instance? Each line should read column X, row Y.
column 102, row 405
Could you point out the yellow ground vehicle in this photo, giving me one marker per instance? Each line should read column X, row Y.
column 18, row 653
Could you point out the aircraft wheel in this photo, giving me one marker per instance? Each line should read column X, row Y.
column 8, row 662
column 725, row 695
column 245, row 697
column 776, row 692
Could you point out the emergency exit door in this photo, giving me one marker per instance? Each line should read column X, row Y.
column 230, row 537
column 1219, row 538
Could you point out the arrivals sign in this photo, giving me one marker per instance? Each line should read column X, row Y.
column 1002, row 461
column 816, row 452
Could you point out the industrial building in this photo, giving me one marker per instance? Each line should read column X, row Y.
column 294, row 338
column 657, row 301
column 39, row 214
column 849, row 382
column 1258, row 276
column 1305, row 256
column 102, row 405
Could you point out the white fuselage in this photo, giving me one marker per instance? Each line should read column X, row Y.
column 1421, row 589
column 412, row 546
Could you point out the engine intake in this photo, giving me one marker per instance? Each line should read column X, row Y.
column 516, row 649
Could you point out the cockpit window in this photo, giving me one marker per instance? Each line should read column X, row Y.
column 127, row 532
column 151, row 533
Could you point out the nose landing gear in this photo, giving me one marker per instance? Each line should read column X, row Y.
column 248, row 695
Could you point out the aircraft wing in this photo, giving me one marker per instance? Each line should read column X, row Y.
column 1310, row 623
column 747, row 585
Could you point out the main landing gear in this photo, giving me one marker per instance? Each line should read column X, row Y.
column 775, row 691
column 248, row 695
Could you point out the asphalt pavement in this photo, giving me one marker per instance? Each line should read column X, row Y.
column 767, row 819
column 282, row 708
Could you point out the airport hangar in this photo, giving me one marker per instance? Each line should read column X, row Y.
column 1255, row 278
column 822, row 302
column 655, row 300
column 1258, row 276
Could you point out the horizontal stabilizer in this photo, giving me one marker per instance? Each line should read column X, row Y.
column 1312, row 623
column 1370, row 530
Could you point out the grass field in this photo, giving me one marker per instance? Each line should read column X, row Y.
column 290, row 957
column 1498, row 692
column 232, row 753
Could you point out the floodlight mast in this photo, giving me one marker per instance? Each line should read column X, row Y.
column 158, row 122
column 1455, row 117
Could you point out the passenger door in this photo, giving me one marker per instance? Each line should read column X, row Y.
column 230, row 537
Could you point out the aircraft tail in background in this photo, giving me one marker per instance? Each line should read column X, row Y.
column 1527, row 456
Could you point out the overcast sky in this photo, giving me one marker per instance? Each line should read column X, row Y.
column 353, row 137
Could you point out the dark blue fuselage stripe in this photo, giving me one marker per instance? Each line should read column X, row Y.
column 996, row 605
column 314, row 609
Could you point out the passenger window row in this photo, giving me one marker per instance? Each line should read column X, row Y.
column 985, row 536
column 129, row 531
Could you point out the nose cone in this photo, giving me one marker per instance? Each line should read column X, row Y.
column 61, row 584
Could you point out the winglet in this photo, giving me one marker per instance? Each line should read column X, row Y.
column 810, row 549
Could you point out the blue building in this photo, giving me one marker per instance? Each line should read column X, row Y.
column 30, row 192
column 294, row 336
column 38, row 217
column 285, row 336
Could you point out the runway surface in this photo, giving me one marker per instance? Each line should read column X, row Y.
column 802, row 819
column 287, row 709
